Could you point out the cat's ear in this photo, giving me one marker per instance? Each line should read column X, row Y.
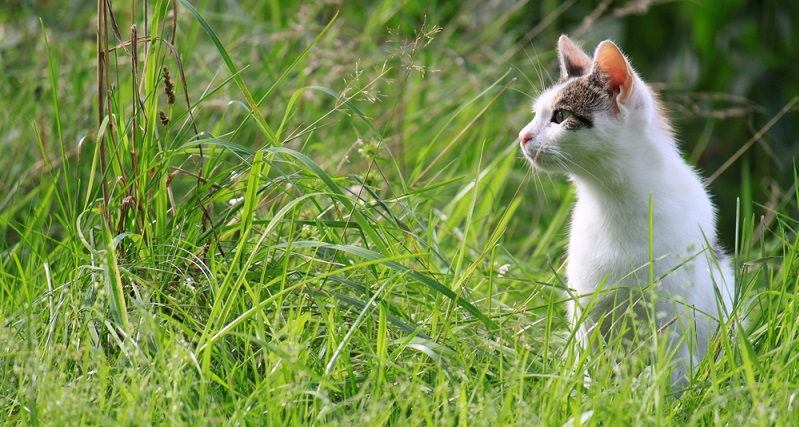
column 573, row 61
column 609, row 61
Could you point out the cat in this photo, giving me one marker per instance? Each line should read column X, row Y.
column 604, row 128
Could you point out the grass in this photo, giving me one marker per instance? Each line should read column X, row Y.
column 324, row 223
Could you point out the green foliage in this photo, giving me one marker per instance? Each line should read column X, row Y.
column 314, row 213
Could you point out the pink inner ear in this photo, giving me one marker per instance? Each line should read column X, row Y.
column 610, row 61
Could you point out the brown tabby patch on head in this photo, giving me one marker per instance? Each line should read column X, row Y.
column 590, row 94
column 584, row 97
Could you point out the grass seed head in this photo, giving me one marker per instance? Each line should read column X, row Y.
column 169, row 87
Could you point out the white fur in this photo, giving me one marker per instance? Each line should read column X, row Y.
column 616, row 166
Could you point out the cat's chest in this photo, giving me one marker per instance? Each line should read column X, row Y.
column 605, row 228
column 614, row 247
column 598, row 254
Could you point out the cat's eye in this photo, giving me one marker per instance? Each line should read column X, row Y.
column 558, row 116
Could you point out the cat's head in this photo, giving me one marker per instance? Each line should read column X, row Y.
column 590, row 122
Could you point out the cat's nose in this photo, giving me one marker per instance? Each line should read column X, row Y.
column 525, row 136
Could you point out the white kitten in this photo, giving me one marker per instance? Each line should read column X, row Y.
column 603, row 127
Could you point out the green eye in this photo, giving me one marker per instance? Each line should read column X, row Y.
column 558, row 116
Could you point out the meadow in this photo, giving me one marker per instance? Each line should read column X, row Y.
column 316, row 213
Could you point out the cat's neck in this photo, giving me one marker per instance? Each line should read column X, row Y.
column 620, row 202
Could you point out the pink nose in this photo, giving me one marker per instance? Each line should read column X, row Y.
column 524, row 137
